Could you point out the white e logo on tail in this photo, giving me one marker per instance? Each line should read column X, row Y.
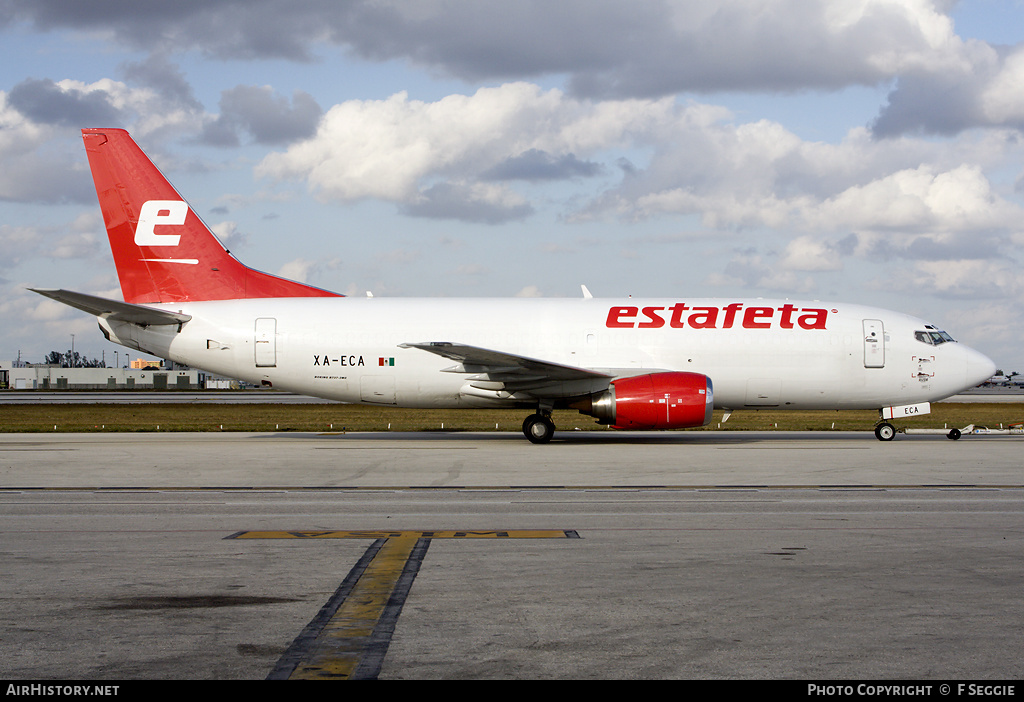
column 156, row 212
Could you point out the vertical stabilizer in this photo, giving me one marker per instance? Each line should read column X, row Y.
column 162, row 249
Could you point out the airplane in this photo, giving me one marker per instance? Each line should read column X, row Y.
column 633, row 364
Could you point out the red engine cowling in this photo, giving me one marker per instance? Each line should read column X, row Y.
column 656, row 401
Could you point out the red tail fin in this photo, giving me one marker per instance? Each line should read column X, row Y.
column 162, row 249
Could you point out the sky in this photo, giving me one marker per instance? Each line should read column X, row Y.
column 864, row 151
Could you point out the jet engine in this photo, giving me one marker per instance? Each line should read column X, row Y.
column 674, row 400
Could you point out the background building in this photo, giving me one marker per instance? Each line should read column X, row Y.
column 31, row 376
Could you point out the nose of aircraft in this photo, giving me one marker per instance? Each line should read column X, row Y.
column 979, row 366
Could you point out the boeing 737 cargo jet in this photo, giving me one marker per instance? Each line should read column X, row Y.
column 630, row 363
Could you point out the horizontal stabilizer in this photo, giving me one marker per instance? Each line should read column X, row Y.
column 114, row 310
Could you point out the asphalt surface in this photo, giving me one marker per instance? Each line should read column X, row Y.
column 706, row 555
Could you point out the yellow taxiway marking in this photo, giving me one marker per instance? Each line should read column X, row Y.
column 345, row 638
column 350, row 636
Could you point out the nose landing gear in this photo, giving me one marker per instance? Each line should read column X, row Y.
column 885, row 431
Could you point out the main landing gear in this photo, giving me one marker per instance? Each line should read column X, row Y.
column 539, row 428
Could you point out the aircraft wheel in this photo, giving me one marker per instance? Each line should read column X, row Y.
column 538, row 428
column 885, row 431
column 953, row 434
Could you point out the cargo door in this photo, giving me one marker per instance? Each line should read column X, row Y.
column 377, row 389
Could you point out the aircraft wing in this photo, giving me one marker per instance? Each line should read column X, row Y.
column 514, row 371
column 114, row 309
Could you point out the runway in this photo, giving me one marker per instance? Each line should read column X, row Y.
column 601, row 555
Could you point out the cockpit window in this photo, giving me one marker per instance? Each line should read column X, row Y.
column 932, row 336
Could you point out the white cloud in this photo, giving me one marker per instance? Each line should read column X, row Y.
column 919, row 199
column 488, row 203
column 604, row 48
column 972, row 279
column 759, row 175
column 29, row 172
column 529, row 291
column 229, row 235
column 297, row 270
column 76, row 245
column 754, row 271
column 995, row 326
column 1002, row 98
column 906, row 197
column 305, row 270
column 811, row 253
column 392, row 149
column 30, row 318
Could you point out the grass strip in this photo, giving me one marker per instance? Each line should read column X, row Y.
column 305, row 417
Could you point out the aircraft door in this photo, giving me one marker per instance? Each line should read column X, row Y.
column 266, row 342
column 874, row 343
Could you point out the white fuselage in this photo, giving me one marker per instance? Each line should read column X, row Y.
column 758, row 353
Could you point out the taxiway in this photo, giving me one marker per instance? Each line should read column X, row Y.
column 600, row 555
